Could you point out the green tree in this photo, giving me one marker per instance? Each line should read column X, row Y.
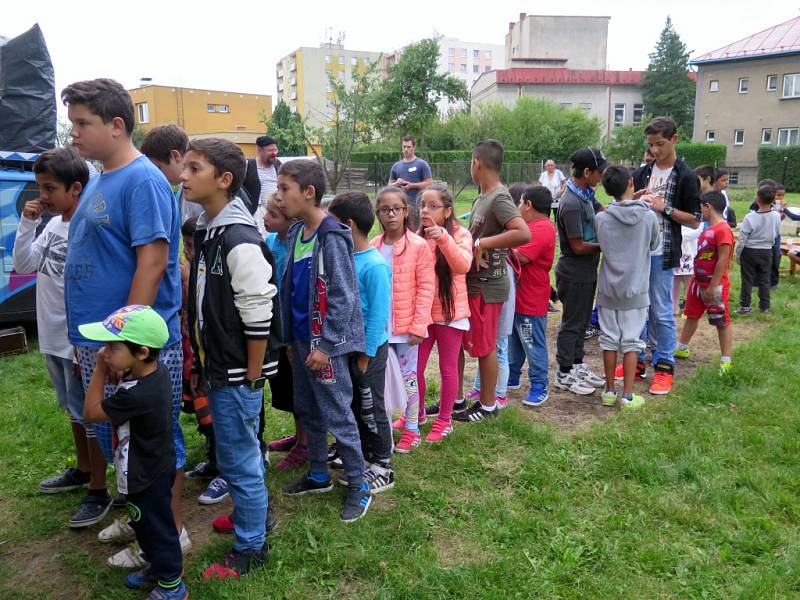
column 627, row 143
column 407, row 101
column 351, row 122
column 287, row 129
column 667, row 90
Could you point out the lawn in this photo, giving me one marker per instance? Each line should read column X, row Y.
column 697, row 496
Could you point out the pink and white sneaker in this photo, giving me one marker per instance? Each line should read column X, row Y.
column 502, row 401
column 440, row 430
column 408, row 441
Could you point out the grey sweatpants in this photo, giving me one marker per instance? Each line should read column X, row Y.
column 323, row 404
column 621, row 329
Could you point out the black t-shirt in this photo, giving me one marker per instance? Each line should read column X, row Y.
column 141, row 412
column 575, row 220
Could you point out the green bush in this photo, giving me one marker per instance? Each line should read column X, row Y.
column 435, row 156
column 701, row 154
column 771, row 165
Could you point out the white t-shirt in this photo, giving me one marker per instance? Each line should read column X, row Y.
column 387, row 251
column 553, row 184
column 268, row 177
column 658, row 186
column 45, row 255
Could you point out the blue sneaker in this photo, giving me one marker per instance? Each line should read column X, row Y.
column 536, row 396
column 140, row 579
column 216, row 491
column 176, row 593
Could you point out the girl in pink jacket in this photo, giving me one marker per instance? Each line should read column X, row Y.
column 412, row 296
column 451, row 244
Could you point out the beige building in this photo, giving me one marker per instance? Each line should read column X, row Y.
column 302, row 77
column 748, row 95
column 539, row 63
column 235, row 116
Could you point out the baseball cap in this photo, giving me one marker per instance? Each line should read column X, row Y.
column 589, row 158
column 265, row 140
column 134, row 323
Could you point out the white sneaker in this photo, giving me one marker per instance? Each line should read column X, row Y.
column 588, row 376
column 130, row 557
column 572, row 383
column 118, row 531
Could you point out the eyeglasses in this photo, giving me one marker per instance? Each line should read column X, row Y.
column 391, row 210
column 431, row 207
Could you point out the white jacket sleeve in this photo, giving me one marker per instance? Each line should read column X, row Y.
column 27, row 250
column 252, row 290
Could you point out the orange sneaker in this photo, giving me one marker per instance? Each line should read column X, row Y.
column 662, row 382
column 641, row 372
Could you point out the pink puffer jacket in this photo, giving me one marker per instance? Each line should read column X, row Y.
column 413, row 282
column 457, row 249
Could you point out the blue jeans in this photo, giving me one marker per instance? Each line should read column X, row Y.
column 235, row 412
column 501, row 389
column 660, row 325
column 528, row 340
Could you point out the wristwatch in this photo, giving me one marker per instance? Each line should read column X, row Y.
column 255, row 384
column 668, row 211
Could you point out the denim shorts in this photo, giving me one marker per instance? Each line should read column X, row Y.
column 68, row 387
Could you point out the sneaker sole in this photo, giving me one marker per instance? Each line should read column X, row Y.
column 513, row 387
column 568, row 388
column 660, row 392
column 209, row 501
column 327, row 488
column 388, row 486
column 363, row 512
column 538, row 403
column 92, row 521
column 404, row 450
column 58, row 490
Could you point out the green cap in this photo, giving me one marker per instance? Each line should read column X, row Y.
column 135, row 323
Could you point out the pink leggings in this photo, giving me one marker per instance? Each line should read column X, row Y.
column 448, row 340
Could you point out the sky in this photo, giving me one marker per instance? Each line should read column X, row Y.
column 233, row 45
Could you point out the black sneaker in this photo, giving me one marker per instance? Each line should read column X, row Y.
column 91, row 511
column 591, row 332
column 432, row 410
column 120, row 502
column 459, row 406
column 203, row 470
column 272, row 520
column 475, row 413
column 379, row 478
column 71, row 479
column 356, row 503
column 744, row 310
column 334, row 460
column 306, row 485
column 237, row 563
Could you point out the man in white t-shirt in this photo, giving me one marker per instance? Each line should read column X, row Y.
column 261, row 178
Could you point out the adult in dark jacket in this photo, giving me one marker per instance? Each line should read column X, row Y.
column 671, row 189
column 261, row 177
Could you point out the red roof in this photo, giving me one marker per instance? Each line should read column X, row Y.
column 780, row 39
column 534, row 75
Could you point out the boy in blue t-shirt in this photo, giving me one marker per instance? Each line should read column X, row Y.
column 368, row 370
column 123, row 249
column 324, row 326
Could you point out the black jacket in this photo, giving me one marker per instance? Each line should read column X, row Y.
column 687, row 199
column 232, row 296
column 252, row 184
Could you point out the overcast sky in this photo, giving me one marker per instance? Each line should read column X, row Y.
column 234, row 45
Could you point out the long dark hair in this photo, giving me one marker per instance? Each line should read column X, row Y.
column 443, row 272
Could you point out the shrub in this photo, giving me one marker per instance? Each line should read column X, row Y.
column 771, row 164
column 696, row 154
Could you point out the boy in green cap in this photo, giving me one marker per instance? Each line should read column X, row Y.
column 144, row 456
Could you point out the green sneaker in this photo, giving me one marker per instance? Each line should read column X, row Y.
column 724, row 368
column 609, row 398
column 635, row 402
column 681, row 352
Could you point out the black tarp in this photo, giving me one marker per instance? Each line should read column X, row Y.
column 27, row 94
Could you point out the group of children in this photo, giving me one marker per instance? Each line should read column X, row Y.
column 322, row 311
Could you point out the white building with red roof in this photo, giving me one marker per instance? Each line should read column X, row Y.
column 748, row 95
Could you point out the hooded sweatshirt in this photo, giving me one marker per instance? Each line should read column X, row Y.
column 232, row 296
column 627, row 232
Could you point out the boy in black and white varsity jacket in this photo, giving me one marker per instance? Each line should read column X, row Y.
column 232, row 300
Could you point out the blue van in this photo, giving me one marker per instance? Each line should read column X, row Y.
column 17, row 186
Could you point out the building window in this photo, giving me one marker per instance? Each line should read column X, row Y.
column 353, row 61
column 223, row 108
column 766, row 135
column 733, row 178
column 476, row 69
column 341, row 60
column 327, row 59
column 744, row 85
column 738, row 137
column 788, row 136
column 713, row 85
column 619, row 115
column 791, row 86
column 328, row 87
column 566, row 105
column 463, row 53
column 587, row 106
column 487, row 54
column 476, row 55
column 638, row 113
column 462, row 68
column 487, row 68
column 144, row 112
column 280, row 73
column 451, row 68
column 292, row 66
column 211, row 107
column 711, row 136
column 451, row 52
column 772, row 83
column 366, row 60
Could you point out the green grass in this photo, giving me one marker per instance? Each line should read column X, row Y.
column 695, row 497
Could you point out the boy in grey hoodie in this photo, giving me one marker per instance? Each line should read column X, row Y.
column 627, row 232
